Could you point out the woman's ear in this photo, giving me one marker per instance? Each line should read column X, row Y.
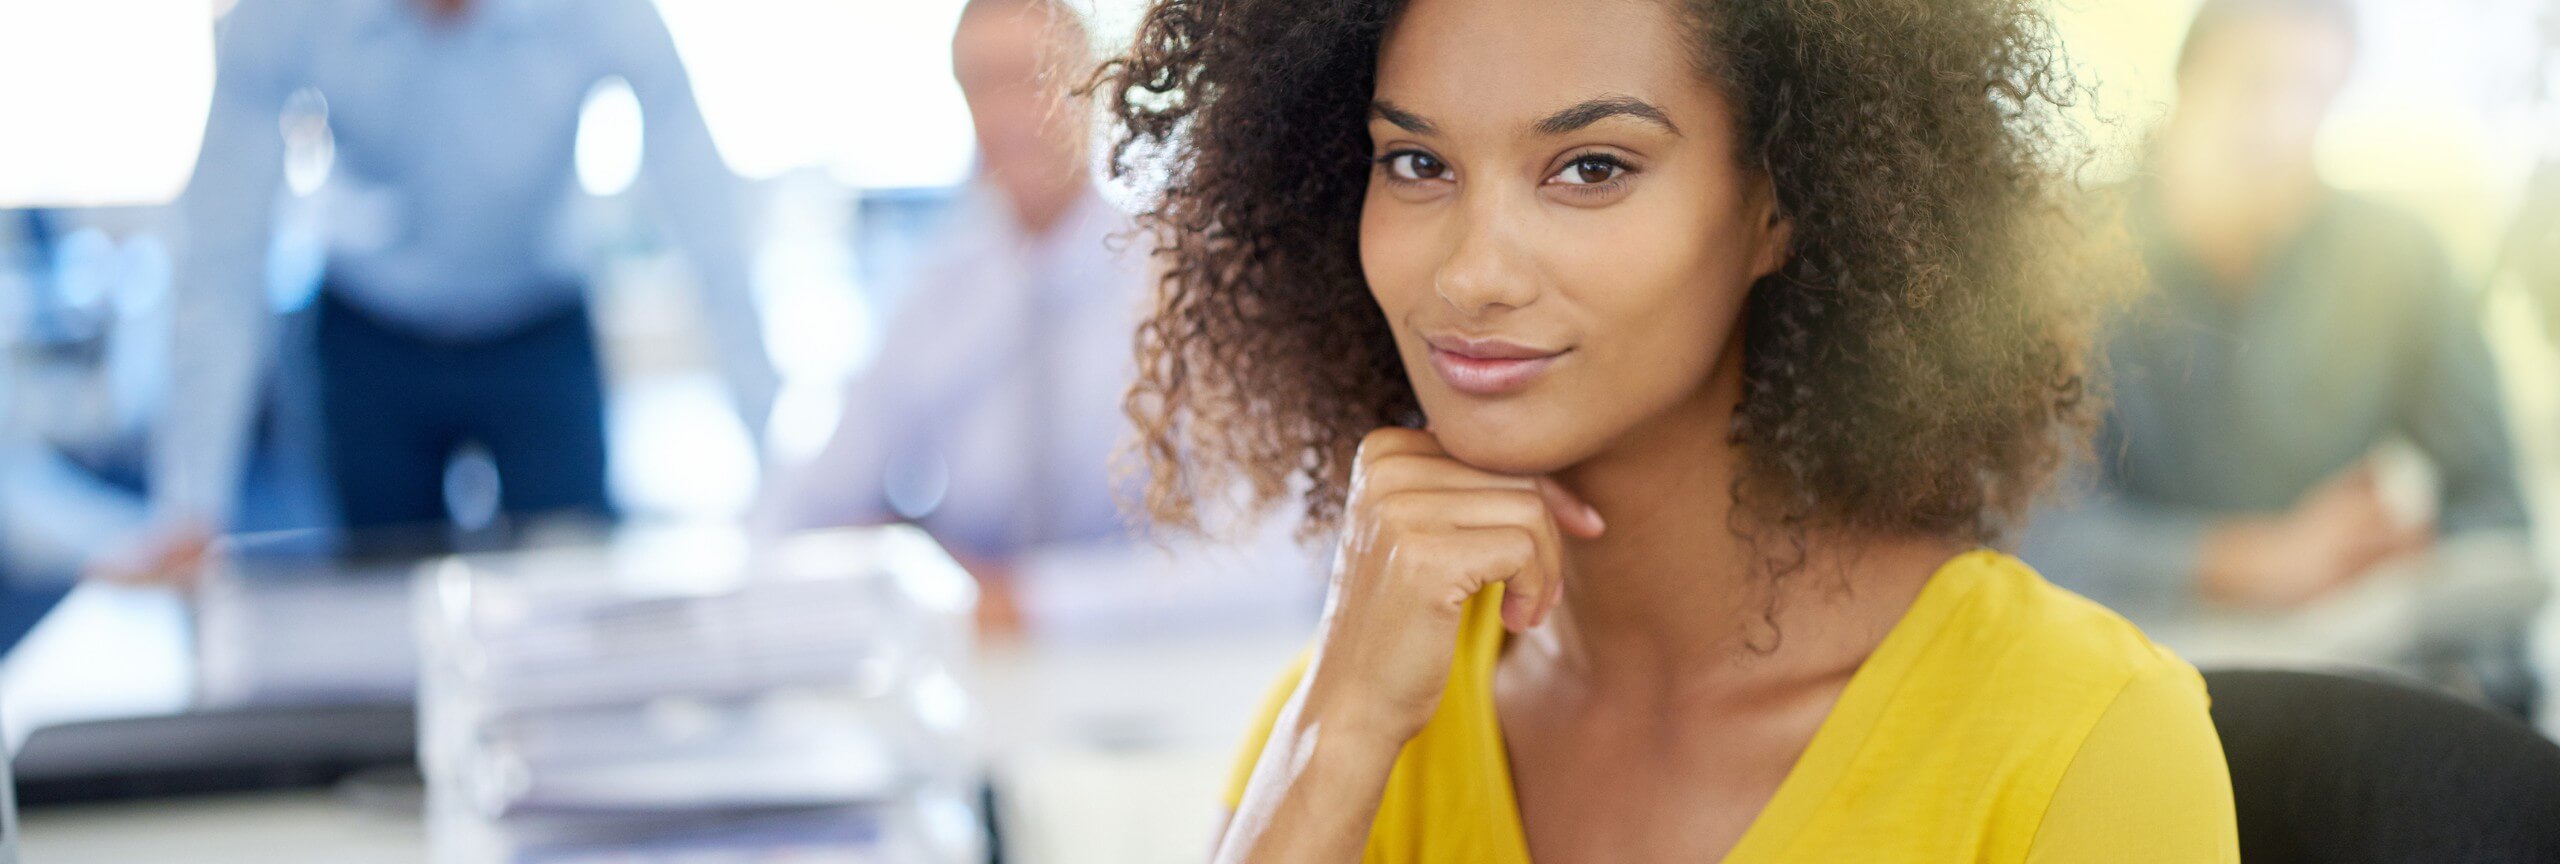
column 1777, row 234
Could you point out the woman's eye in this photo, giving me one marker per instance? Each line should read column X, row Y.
column 1590, row 170
column 1411, row 165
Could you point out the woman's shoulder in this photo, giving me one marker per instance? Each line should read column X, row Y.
column 2000, row 686
column 2007, row 623
column 2005, row 662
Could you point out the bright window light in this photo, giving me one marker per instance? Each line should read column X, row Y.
column 861, row 89
column 608, row 149
column 101, row 101
column 2439, row 100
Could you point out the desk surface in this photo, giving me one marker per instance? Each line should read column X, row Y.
column 1105, row 752
column 299, row 827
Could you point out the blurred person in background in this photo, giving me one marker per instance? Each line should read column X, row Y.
column 992, row 414
column 453, row 310
column 2532, row 251
column 68, row 482
column 2294, row 332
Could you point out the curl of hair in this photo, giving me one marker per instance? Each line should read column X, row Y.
column 1920, row 365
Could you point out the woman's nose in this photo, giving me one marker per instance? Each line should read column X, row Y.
column 1485, row 271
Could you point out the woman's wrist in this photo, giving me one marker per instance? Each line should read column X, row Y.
column 1345, row 736
column 1353, row 717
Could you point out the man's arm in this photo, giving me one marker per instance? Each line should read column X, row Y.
column 1258, row 572
column 702, row 203
column 2450, row 406
column 220, row 311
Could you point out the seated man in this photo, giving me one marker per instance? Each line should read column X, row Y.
column 2294, row 332
column 992, row 414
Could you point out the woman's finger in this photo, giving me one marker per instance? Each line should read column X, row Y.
column 1577, row 517
column 1510, row 555
column 1388, row 441
column 1405, row 471
column 1528, row 593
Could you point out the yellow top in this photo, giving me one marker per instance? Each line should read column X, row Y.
column 2003, row 720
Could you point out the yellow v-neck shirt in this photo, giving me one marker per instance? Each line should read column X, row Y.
column 2002, row 720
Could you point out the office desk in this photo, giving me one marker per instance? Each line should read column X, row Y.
column 296, row 827
column 1103, row 752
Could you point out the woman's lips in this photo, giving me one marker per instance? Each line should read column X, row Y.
column 1488, row 367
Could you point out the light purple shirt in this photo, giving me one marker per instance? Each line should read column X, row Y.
column 992, row 417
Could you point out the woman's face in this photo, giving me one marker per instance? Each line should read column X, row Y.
column 1557, row 228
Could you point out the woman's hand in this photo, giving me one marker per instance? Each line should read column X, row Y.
column 1423, row 532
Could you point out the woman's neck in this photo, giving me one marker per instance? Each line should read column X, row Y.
column 1673, row 598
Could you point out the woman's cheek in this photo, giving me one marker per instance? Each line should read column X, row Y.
column 1657, row 327
column 1397, row 269
column 1378, row 249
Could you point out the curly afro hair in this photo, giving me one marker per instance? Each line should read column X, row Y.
column 1919, row 366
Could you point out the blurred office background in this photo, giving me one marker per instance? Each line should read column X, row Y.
column 854, row 148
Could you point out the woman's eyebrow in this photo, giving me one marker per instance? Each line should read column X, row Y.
column 1406, row 120
column 1594, row 110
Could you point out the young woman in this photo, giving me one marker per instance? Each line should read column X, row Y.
column 1665, row 369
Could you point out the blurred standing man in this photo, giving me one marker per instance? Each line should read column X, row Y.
column 2293, row 330
column 992, row 413
column 453, row 310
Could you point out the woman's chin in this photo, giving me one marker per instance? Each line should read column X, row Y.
column 1502, row 451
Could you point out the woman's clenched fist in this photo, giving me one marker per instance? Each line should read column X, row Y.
column 1423, row 532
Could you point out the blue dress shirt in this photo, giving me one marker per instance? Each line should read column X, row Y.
column 447, row 201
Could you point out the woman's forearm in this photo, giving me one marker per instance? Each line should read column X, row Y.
column 1313, row 793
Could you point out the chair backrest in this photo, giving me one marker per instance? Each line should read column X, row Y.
column 2343, row 770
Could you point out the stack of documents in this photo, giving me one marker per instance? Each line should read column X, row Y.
column 692, row 696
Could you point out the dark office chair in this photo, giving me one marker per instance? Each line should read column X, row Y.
column 2331, row 769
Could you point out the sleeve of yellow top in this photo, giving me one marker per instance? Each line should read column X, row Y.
column 2148, row 785
column 1264, row 719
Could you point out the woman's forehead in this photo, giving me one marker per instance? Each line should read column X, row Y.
column 1501, row 65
